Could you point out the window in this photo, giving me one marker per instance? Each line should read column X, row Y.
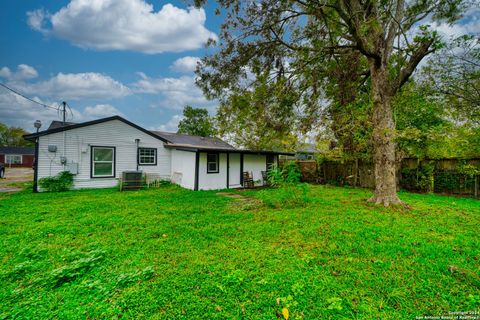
column 103, row 162
column 147, row 156
column 13, row 158
column 212, row 163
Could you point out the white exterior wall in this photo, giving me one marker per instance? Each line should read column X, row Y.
column 255, row 163
column 183, row 168
column 113, row 133
column 209, row 181
column 251, row 162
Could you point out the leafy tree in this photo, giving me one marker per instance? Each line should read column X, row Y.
column 453, row 74
column 421, row 122
column 251, row 118
column 292, row 41
column 12, row 136
column 196, row 122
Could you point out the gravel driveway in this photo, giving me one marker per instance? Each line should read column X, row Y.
column 15, row 176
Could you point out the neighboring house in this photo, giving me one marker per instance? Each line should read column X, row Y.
column 17, row 156
column 98, row 151
column 308, row 152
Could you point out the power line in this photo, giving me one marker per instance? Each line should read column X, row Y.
column 25, row 97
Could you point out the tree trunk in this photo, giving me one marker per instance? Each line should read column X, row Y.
column 383, row 139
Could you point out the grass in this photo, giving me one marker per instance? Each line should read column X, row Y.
column 174, row 253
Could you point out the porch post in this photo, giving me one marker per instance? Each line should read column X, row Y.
column 35, row 161
column 197, row 164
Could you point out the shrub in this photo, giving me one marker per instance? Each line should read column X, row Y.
column 288, row 189
column 61, row 182
column 425, row 177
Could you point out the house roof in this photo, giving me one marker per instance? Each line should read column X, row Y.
column 17, row 150
column 184, row 140
column 58, row 124
column 172, row 140
column 234, row 150
column 31, row 137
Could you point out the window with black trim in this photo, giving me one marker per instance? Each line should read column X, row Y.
column 147, row 156
column 212, row 163
column 103, row 162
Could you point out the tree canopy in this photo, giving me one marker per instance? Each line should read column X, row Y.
column 299, row 44
column 196, row 122
column 12, row 136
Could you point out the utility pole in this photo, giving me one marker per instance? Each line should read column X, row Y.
column 64, row 110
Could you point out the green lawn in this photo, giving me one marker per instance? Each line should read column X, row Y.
column 174, row 253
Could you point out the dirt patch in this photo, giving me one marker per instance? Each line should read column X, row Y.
column 243, row 203
column 14, row 178
column 234, row 196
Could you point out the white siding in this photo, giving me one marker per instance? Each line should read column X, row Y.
column 256, row 164
column 208, row 181
column 183, row 168
column 77, row 149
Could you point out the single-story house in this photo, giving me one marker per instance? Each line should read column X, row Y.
column 98, row 152
column 17, row 156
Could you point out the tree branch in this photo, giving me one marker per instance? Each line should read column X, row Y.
column 422, row 51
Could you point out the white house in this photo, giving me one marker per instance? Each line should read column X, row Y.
column 98, row 151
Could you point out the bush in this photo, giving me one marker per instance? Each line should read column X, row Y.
column 288, row 190
column 61, row 182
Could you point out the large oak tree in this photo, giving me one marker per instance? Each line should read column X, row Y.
column 293, row 40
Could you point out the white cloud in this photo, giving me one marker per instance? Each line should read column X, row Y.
column 75, row 86
column 124, row 25
column 36, row 19
column 171, row 125
column 17, row 111
column 185, row 64
column 469, row 24
column 101, row 111
column 23, row 72
column 174, row 93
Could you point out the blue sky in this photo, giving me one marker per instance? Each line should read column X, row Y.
column 134, row 58
column 103, row 57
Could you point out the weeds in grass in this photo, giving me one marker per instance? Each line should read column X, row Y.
column 175, row 253
column 288, row 192
column 75, row 269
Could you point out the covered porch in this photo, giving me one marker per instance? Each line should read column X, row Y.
column 217, row 168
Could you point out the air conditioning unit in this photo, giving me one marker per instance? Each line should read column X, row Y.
column 131, row 180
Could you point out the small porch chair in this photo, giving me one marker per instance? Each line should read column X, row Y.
column 247, row 179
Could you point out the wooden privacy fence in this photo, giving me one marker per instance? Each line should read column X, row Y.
column 448, row 176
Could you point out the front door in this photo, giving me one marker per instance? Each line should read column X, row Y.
column 234, row 170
